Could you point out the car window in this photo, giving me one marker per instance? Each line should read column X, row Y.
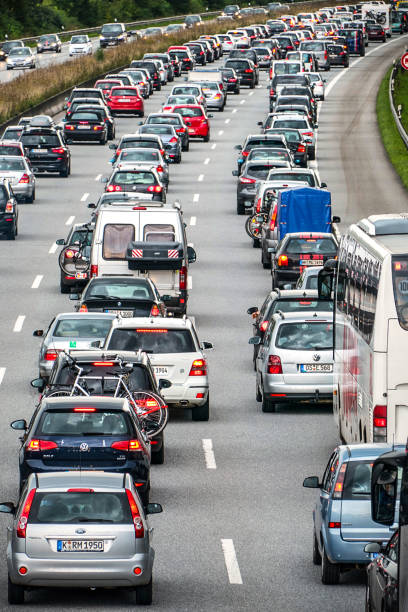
column 311, row 245
column 159, row 232
column 83, row 116
column 10, row 150
column 163, row 119
column 156, row 129
column 357, row 483
column 153, row 339
column 79, row 39
column 3, row 198
column 127, row 289
column 259, row 171
column 33, row 140
column 330, row 473
column 300, row 304
column 79, row 235
column 116, row 238
column 117, row 91
column 11, row 165
column 123, row 177
column 82, row 328
column 137, row 155
column 293, row 176
column 305, row 336
column 136, row 144
column 71, row 423
column 77, row 507
column 101, row 381
column 392, row 548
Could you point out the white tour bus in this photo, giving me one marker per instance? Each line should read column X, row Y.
column 370, row 397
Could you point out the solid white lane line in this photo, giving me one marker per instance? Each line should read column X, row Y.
column 209, row 454
column 200, row 178
column 214, row 145
column 37, row 281
column 53, row 248
column 2, row 373
column 235, row 110
column 85, row 197
column 196, row 196
column 70, row 220
column 251, row 93
column 231, row 562
column 220, row 133
column 18, row 325
column 189, row 282
column 227, row 120
column 242, row 101
column 193, row 220
column 98, row 177
column 206, row 161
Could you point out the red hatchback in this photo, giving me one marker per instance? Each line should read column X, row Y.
column 195, row 118
column 125, row 100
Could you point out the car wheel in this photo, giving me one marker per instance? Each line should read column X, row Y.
column 158, row 458
column 273, row 280
column 252, row 85
column 317, row 559
column 312, row 153
column 267, row 405
column 207, row 138
column 64, row 288
column 144, row 594
column 258, row 394
column 65, row 172
column 240, row 208
column 330, row 571
column 177, row 160
column 256, row 243
column 141, row 114
column 30, row 199
column 15, row 593
column 12, row 234
column 222, row 108
column 201, row 413
column 265, row 263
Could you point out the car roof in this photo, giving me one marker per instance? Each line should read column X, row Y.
column 80, row 479
column 309, row 316
column 155, row 322
column 55, row 403
column 62, row 316
column 367, row 451
column 86, row 355
column 294, row 293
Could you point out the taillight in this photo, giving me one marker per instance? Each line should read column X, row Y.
column 162, row 150
column 244, row 153
column 70, row 253
column 24, row 179
column 59, row 150
column 97, row 128
column 273, row 219
column 274, row 365
column 22, row 521
column 174, row 139
column 159, row 168
column 248, row 70
column 338, row 487
column 198, row 368
column 334, row 525
column 155, row 312
column 181, row 130
column 51, row 355
column 155, row 189
column 114, row 188
column 40, row 445
column 94, row 270
column 69, row 127
column 137, row 519
column 263, row 326
column 84, row 308
column 283, row 260
column 9, row 207
column 325, row 55
column 127, row 445
column 301, row 148
column 310, row 134
column 245, row 180
column 258, row 205
column 183, row 278
column 380, row 423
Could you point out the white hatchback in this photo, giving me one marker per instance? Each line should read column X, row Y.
column 80, row 44
column 175, row 354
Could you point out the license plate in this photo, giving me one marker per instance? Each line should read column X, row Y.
column 122, row 313
column 316, row 367
column 124, row 100
column 160, row 370
column 111, row 43
column 80, row 545
column 39, row 150
column 311, row 262
column 191, row 130
column 82, row 127
column 81, row 275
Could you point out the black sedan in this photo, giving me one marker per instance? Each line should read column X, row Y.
column 382, row 577
column 295, row 143
column 257, row 170
column 86, row 126
column 127, row 297
column 338, row 55
column 231, row 80
column 46, row 150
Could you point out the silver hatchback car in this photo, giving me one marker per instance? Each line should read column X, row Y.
column 81, row 530
column 17, row 170
column 295, row 359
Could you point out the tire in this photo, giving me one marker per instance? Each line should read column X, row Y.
column 240, row 208
column 144, row 594
column 221, row 110
column 145, row 496
column 252, row 85
column 178, row 160
column 15, row 593
column 237, row 92
column 258, row 394
column 273, row 280
column 64, row 173
column 64, row 288
column 141, row 114
column 207, row 138
column 265, row 263
column 103, row 141
column 330, row 571
column 312, row 153
column 201, row 413
column 367, row 607
column 267, row 405
column 31, row 198
column 316, row 556
column 12, row 234
column 159, row 87
column 158, row 458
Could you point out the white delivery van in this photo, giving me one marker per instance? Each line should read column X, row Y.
column 148, row 240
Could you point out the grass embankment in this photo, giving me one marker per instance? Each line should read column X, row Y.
column 33, row 87
column 393, row 143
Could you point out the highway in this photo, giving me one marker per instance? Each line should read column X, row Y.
column 249, row 502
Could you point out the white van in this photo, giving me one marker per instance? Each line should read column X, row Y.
column 280, row 67
column 147, row 239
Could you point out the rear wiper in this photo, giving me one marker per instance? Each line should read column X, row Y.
column 93, row 520
column 322, row 348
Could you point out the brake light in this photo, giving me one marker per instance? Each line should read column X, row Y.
column 258, row 205
column 9, row 207
column 198, row 368
column 162, row 150
column 159, row 168
column 273, row 219
column 244, row 153
column 137, row 519
column 97, row 128
column 308, row 134
column 181, row 130
column 248, row 70
column 380, row 416
column 301, row 148
column 51, row 355
column 217, row 96
column 80, row 490
column 155, row 189
column 70, row 127
column 114, row 188
column 59, row 150
column 174, row 139
column 155, row 312
column 22, row 521
column 245, row 180
column 127, row 445
column 83, row 308
column 334, row 525
column 183, row 278
column 84, row 409
column 283, row 260
column 263, row 326
column 338, row 487
column 40, row 445
column 274, row 365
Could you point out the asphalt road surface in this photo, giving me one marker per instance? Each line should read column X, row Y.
column 252, row 503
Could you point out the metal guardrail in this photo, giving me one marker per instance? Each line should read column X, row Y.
column 395, row 113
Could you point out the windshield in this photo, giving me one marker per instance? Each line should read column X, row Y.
column 80, row 507
column 311, row 245
column 269, row 154
column 162, row 130
column 400, row 282
column 124, row 290
column 70, row 423
column 82, row 328
column 79, row 39
column 133, row 177
column 152, row 339
column 287, row 68
column 10, row 150
column 299, row 124
column 10, row 45
column 163, row 119
column 23, row 51
column 305, row 336
column 33, row 140
column 189, row 112
column 194, row 91
column 118, row 91
column 111, row 28
column 301, row 304
column 143, row 155
column 290, row 135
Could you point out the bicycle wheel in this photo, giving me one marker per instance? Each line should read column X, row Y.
column 72, row 260
column 58, row 393
column 151, row 410
column 253, row 225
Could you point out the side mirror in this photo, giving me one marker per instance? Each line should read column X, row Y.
column 316, row 125
column 254, row 340
column 211, row 116
column 372, row 547
column 104, row 179
column 38, row 383
column 268, row 87
column 164, row 383
column 20, row 425
column 238, row 147
column 336, row 220
column 91, row 205
column 38, row 333
column 324, row 80
column 311, row 482
column 259, row 123
column 154, row 508
column 207, row 345
column 74, row 296
column 191, row 254
column 252, row 310
column 113, row 146
column 60, row 241
column 271, row 249
column 7, row 507
column 234, row 173
column 323, row 185
column 140, row 123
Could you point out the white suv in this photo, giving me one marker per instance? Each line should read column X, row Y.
column 175, row 354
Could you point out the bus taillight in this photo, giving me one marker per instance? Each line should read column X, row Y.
column 380, row 423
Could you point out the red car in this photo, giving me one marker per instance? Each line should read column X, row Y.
column 106, row 85
column 125, row 100
column 195, row 118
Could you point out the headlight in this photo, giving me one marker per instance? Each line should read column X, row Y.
column 101, row 37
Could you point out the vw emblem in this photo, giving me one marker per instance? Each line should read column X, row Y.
column 316, row 357
column 84, row 446
column 119, row 303
column 80, row 531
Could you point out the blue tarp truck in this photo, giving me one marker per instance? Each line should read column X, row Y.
column 303, row 210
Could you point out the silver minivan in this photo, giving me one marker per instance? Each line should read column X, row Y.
column 295, row 360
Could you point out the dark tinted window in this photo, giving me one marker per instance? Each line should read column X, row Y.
column 322, row 246
column 123, row 92
column 155, row 340
column 33, row 140
column 400, row 281
column 126, row 289
column 142, row 156
column 259, row 171
column 82, row 116
column 71, row 423
column 123, row 177
column 237, row 64
column 136, row 144
column 82, row 328
column 9, row 150
column 300, row 304
column 357, row 483
column 293, row 176
column 156, row 129
column 3, row 198
column 80, row 508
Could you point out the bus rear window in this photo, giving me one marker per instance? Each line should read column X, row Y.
column 400, row 282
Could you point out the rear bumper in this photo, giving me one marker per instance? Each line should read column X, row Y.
column 23, row 191
column 341, row 551
column 311, row 393
column 186, row 395
column 85, row 137
column 44, row 165
column 118, row 108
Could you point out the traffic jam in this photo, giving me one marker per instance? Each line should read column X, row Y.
column 126, row 354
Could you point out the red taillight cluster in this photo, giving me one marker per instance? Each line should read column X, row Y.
column 174, row 139
column 40, row 445
column 155, row 311
column 137, row 519
column 59, row 150
column 114, row 188
column 380, row 416
column 183, row 278
column 198, row 368
column 24, row 179
column 283, row 260
column 338, row 487
column 274, row 365
column 22, row 521
column 127, row 445
column 155, row 189
column 245, row 180
column 51, row 355
column 9, row 207
column 334, row 525
column 301, row 148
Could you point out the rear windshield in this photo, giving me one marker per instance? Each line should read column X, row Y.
column 3, row 198
column 137, row 144
column 10, row 150
column 189, row 112
column 311, row 245
column 312, row 46
column 159, row 232
column 210, row 86
column 305, row 336
column 400, row 281
column 300, row 304
column 335, row 49
column 126, row 289
column 237, row 64
column 135, row 177
column 82, row 328
column 274, row 154
column 80, row 507
column 12, row 134
column 116, row 91
column 83, row 116
column 32, row 140
column 156, row 129
column 155, row 340
column 163, row 119
column 141, row 156
column 293, row 176
column 357, row 483
column 89, row 93
column 100, row 380
column 298, row 124
column 194, row 91
column 71, row 423
column 290, row 135
column 11, row 165
column 259, row 171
